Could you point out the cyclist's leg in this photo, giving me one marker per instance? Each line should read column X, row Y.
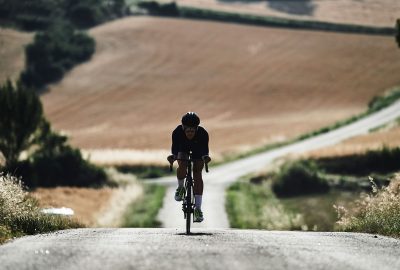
column 198, row 189
column 198, row 177
column 182, row 166
column 181, row 174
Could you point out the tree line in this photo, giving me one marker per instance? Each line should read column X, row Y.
column 59, row 44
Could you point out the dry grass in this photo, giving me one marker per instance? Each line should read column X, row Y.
column 87, row 203
column 365, row 12
column 374, row 213
column 20, row 214
column 12, row 56
column 266, row 86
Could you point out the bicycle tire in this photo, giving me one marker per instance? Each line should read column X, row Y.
column 188, row 208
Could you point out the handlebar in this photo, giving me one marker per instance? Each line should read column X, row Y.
column 170, row 165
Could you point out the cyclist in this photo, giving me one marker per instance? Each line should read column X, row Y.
column 189, row 136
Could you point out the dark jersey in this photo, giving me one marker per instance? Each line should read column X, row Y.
column 198, row 145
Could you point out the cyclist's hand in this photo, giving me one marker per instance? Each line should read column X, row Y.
column 206, row 159
column 171, row 159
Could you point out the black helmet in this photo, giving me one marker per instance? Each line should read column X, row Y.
column 190, row 119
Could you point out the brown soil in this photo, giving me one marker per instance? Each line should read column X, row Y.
column 12, row 46
column 87, row 203
column 250, row 85
column 364, row 12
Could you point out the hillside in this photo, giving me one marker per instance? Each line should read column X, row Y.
column 12, row 56
column 251, row 85
column 363, row 12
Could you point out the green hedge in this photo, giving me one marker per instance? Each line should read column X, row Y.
column 53, row 53
column 299, row 178
column 170, row 9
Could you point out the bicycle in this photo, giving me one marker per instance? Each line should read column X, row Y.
column 188, row 201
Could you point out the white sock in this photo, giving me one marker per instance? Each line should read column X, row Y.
column 181, row 182
column 197, row 201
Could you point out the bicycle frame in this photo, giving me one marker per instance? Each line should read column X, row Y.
column 188, row 201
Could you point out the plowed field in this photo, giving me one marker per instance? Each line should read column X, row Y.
column 12, row 55
column 250, row 85
column 364, row 12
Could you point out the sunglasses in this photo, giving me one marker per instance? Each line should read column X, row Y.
column 189, row 129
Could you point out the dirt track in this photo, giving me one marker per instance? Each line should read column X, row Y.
column 250, row 85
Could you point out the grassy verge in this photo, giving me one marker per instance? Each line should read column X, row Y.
column 20, row 214
column 143, row 212
column 145, row 171
column 254, row 206
column 378, row 212
column 171, row 9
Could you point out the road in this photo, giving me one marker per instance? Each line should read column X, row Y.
column 205, row 249
column 220, row 177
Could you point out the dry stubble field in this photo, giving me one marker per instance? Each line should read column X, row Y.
column 251, row 85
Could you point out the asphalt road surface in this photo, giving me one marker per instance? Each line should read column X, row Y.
column 205, row 249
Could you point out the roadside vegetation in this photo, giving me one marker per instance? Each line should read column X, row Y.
column 145, row 171
column 143, row 212
column 253, row 205
column 20, row 214
column 308, row 190
column 378, row 212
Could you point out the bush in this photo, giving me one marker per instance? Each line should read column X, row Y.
column 385, row 160
column 374, row 213
column 53, row 53
column 41, row 14
column 20, row 214
column 155, row 8
column 299, row 178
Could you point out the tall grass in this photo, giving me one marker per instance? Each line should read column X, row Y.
column 21, row 215
column 378, row 212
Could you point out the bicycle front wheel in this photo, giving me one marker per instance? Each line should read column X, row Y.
column 188, row 208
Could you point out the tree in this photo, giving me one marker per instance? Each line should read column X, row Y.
column 20, row 115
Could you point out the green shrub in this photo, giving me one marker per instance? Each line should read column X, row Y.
column 299, row 178
column 53, row 53
column 145, row 171
column 155, row 8
column 374, row 213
